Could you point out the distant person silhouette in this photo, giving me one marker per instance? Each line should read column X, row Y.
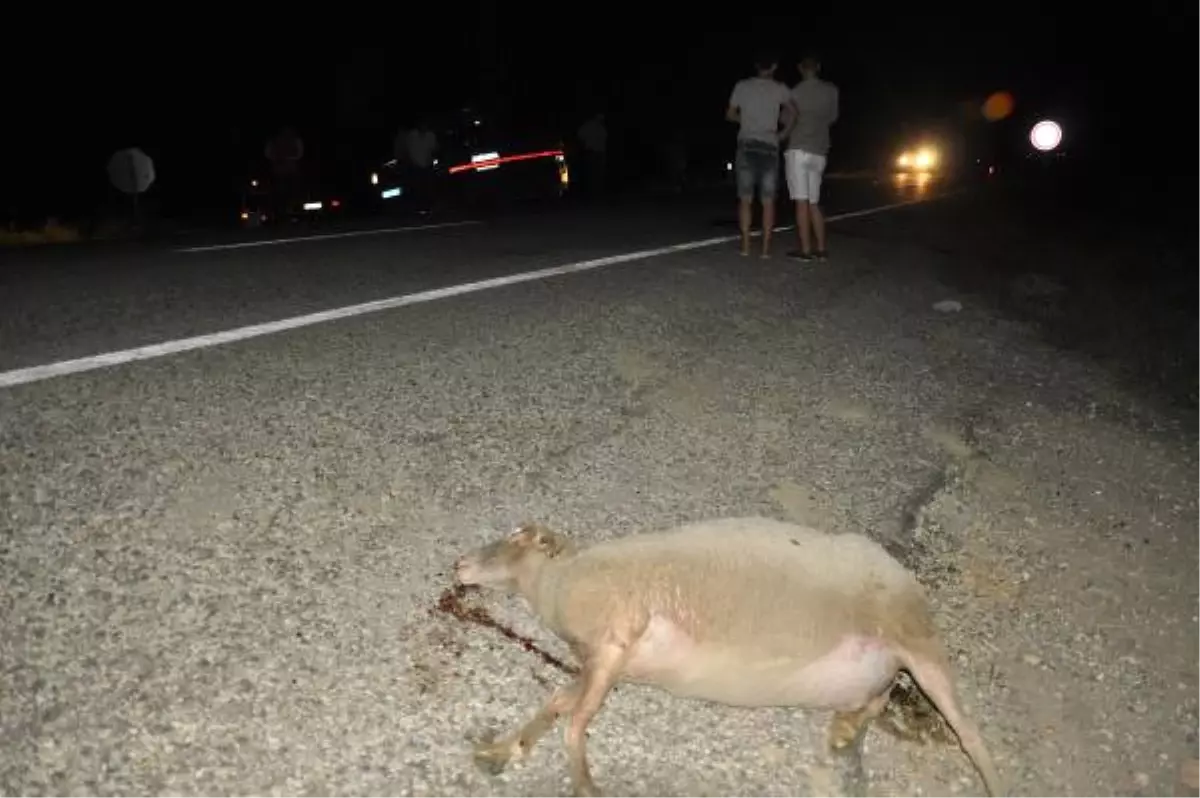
column 421, row 143
column 420, row 148
column 284, row 151
column 593, row 137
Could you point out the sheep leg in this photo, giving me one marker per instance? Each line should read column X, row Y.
column 493, row 756
column 600, row 673
column 847, row 728
column 845, row 740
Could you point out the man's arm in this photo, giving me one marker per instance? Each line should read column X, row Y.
column 733, row 112
column 834, row 109
column 789, row 115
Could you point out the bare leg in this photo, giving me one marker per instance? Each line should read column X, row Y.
column 768, row 213
column 599, row 675
column 493, row 756
column 818, row 225
column 804, row 226
column 745, row 217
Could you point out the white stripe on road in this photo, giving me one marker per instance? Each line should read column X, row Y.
column 91, row 362
column 375, row 231
column 880, row 209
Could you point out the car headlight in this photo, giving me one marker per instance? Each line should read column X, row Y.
column 1045, row 135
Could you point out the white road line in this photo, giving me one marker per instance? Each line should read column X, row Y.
column 9, row 379
column 880, row 209
column 268, row 242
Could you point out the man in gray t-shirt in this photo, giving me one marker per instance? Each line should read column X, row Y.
column 758, row 105
column 816, row 104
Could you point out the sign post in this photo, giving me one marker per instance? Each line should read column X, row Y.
column 131, row 172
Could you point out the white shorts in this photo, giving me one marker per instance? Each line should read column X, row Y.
column 804, row 171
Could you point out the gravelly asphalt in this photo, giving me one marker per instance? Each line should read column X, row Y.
column 220, row 566
column 74, row 301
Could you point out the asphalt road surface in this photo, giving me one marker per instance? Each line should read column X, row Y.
column 72, row 302
column 223, row 545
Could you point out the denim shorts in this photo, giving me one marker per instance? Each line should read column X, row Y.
column 757, row 166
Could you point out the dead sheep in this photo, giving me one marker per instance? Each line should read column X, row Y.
column 750, row 612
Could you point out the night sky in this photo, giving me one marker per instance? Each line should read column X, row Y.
column 202, row 99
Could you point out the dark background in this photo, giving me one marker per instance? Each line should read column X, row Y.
column 201, row 90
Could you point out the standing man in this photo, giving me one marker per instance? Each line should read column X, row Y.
column 758, row 105
column 284, row 151
column 421, row 144
column 816, row 104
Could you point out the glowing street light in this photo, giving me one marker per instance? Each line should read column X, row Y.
column 1045, row 135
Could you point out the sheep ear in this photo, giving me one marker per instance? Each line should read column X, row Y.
column 551, row 543
column 541, row 538
column 526, row 534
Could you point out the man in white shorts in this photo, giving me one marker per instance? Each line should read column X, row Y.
column 816, row 105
